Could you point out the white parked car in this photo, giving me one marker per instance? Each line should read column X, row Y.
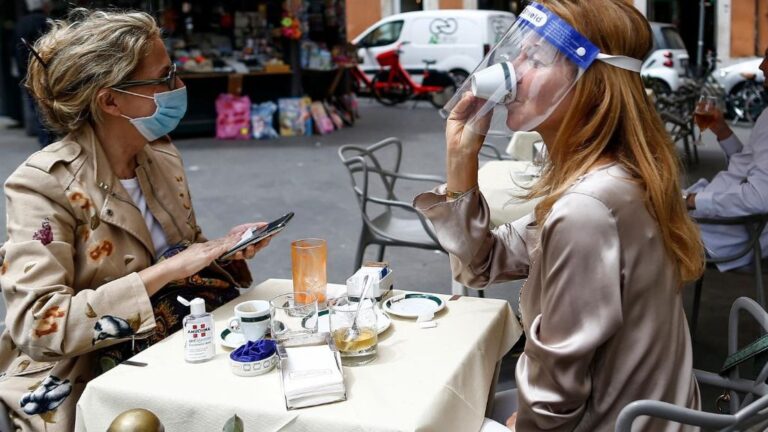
column 731, row 78
column 666, row 67
column 456, row 39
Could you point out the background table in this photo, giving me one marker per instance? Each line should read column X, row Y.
column 501, row 182
column 423, row 379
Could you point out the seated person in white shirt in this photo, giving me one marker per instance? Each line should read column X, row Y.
column 741, row 189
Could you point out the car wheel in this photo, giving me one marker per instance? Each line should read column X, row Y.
column 658, row 86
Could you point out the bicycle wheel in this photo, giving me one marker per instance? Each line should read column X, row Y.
column 747, row 102
column 439, row 99
column 390, row 92
column 754, row 106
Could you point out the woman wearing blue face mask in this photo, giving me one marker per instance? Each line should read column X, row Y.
column 102, row 235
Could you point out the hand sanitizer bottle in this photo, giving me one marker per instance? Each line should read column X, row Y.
column 198, row 332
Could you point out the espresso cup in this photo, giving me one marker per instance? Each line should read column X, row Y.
column 496, row 83
column 251, row 319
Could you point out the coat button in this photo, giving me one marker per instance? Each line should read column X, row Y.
column 110, row 212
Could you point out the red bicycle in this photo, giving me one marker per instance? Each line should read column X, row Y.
column 394, row 85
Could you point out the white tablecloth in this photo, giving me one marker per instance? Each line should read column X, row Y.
column 423, row 379
column 500, row 182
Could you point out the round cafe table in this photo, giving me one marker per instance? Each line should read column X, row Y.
column 501, row 183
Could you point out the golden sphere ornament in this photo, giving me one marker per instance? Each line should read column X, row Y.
column 136, row 420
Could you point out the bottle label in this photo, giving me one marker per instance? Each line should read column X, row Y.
column 198, row 339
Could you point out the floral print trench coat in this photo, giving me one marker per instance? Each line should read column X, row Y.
column 69, row 269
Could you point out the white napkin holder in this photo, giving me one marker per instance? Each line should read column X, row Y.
column 382, row 283
column 311, row 372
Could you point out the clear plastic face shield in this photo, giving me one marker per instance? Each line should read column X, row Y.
column 527, row 74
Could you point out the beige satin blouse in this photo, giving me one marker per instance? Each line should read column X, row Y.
column 601, row 308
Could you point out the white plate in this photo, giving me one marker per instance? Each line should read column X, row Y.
column 413, row 305
column 230, row 339
column 382, row 322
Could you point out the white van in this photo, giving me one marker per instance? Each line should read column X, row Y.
column 456, row 39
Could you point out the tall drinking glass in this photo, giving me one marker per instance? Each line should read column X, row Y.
column 704, row 115
column 293, row 315
column 356, row 338
column 308, row 260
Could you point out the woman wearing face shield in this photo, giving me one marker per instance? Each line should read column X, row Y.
column 102, row 235
column 609, row 247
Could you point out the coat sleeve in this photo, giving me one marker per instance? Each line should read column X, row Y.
column 479, row 256
column 49, row 318
column 580, row 310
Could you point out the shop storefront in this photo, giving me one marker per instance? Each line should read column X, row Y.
column 266, row 50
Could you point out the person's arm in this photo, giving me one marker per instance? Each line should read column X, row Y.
column 47, row 319
column 728, row 141
column 580, row 310
column 460, row 214
column 750, row 196
column 479, row 256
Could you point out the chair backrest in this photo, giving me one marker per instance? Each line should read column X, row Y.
column 378, row 160
column 374, row 172
column 491, row 152
column 521, row 145
column 748, row 397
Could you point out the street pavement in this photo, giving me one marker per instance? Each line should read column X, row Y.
column 233, row 182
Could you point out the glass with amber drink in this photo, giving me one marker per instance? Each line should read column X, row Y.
column 308, row 262
column 704, row 115
column 355, row 338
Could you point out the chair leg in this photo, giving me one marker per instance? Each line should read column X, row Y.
column 696, row 153
column 457, row 288
column 382, row 248
column 695, row 312
column 361, row 245
column 759, row 292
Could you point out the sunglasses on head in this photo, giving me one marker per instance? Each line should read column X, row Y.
column 169, row 80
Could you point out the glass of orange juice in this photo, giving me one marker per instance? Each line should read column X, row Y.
column 308, row 261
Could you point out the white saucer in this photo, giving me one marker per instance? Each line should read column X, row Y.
column 230, row 339
column 413, row 305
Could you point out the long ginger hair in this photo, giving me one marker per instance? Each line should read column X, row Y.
column 611, row 116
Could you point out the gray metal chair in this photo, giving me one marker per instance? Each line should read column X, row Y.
column 748, row 403
column 490, row 151
column 387, row 220
column 755, row 225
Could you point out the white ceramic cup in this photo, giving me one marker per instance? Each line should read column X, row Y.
column 251, row 319
column 496, row 83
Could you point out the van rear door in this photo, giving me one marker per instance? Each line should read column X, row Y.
column 440, row 37
column 497, row 26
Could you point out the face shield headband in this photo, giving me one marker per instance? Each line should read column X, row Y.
column 526, row 75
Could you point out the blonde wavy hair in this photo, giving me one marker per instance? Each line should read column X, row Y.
column 611, row 116
column 84, row 53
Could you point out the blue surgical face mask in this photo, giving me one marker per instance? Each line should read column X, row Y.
column 171, row 106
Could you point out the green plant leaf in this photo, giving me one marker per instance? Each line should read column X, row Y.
column 234, row 424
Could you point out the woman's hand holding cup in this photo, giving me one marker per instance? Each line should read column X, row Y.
column 464, row 142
